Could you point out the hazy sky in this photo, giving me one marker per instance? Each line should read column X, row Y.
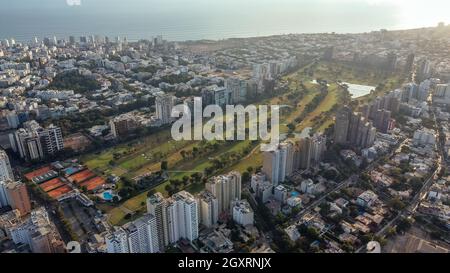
column 184, row 19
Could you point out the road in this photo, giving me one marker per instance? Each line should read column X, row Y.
column 343, row 184
column 412, row 207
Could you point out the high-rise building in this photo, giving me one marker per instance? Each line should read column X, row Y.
column 51, row 139
column 13, row 119
column 18, row 197
column 142, row 235
column 41, row 240
column 243, row 213
column 157, row 206
column 123, row 125
column 287, row 148
column 424, row 70
column 318, row 148
column 139, row 236
column 117, row 241
column 410, row 92
column 72, row 40
column 341, row 125
column 176, row 217
column 4, row 201
column 382, row 120
column 218, row 95
column 27, row 144
column 353, row 129
column 238, row 89
column 304, row 153
column 225, row 188
column 35, row 143
column 424, row 90
column 278, row 163
column 164, row 104
column 261, row 187
column 37, row 231
column 441, row 94
column 409, row 63
column 208, row 209
column 5, row 167
column 183, row 217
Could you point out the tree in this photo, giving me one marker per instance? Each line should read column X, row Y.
column 245, row 177
column 185, row 180
column 151, row 192
column 416, row 184
column 291, row 127
column 396, row 204
column 404, row 224
column 164, row 165
column 324, row 208
column 194, row 151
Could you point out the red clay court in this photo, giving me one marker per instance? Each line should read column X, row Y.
column 81, row 176
column 56, row 193
column 37, row 172
column 93, row 183
column 52, row 184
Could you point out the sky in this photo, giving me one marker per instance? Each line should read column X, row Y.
column 215, row 18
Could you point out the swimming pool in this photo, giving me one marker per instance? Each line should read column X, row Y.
column 295, row 193
column 71, row 170
column 107, row 196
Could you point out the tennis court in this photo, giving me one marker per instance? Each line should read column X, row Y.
column 56, row 193
column 94, row 183
column 81, row 176
column 37, row 172
column 52, row 184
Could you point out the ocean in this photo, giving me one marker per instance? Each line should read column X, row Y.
column 180, row 20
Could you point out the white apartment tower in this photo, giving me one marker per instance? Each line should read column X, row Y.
column 117, row 241
column 187, row 216
column 34, row 142
column 208, row 209
column 139, row 236
column 27, row 144
column 5, row 167
column 164, row 104
column 226, row 188
column 52, row 139
column 157, row 206
column 142, row 235
column 278, row 163
column 243, row 213
column 176, row 217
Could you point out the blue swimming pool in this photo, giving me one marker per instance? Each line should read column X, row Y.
column 107, row 196
column 71, row 170
column 294, row 193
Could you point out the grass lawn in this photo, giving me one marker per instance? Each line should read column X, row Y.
column 326, row 105
column 133, row 163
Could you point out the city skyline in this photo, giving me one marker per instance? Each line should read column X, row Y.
column 124, row 140
column 192, row 20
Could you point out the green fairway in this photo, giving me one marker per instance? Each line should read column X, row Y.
column 144, row 156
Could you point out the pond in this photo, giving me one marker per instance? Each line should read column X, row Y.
column 358, row 90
